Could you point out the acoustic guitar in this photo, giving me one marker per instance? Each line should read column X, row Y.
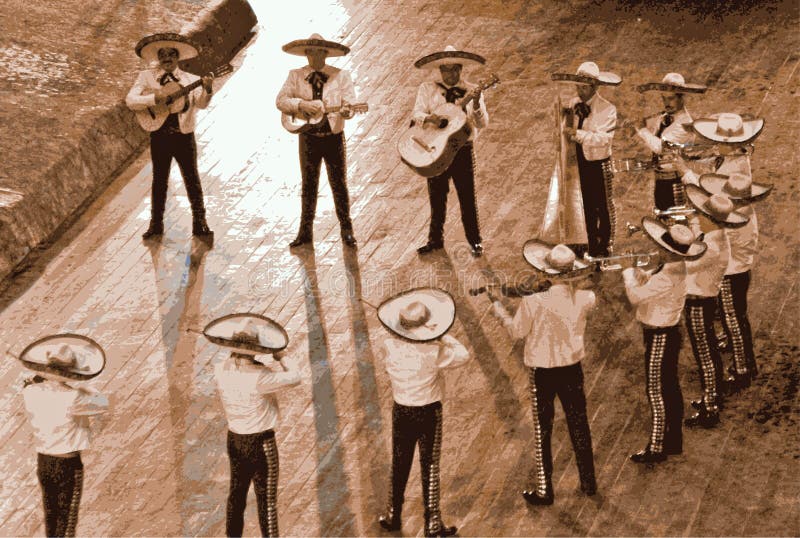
column 301, row 123
column 153, row 117
column 429, row 149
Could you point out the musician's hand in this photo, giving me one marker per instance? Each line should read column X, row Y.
column 161, row 96
column 680, row 164
column 310, row 108
column 571, row 133
column 435, row 119
column 346, row 111
column 208, row 83
column 277, row 355
column 498, row 309
column 641, row 276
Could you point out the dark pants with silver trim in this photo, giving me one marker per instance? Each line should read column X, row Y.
column 313, row 150
column 598, row 203
column 165, row 146
column 733, row 304
column 417, row 426
column 566, row 382
column 253, row 458
column 662, row 348
column 699, row 317
column 61, row 480
column 462, row 170
column 668, row 192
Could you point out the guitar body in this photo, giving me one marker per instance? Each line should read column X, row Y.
column 302, row 123
column 430, row 149
column 152, row 118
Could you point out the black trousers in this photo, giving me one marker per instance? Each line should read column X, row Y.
column 668, row 193
column 417, row 426
column 662, row 348
column 313, row 150
column 164, row 146
column 61, row 480
column 462, row 170
column 699, row 317
column 598, row 203
column 566, row 382
column 253, row 458
column 733, row 304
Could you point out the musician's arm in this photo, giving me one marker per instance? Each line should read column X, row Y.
column 422, row 105
column 479, row 115
column 286, row 100
column 650, row 140
column 135, row 99
column 452, row 353
column 638, row 292
column 521, row 324
column 602, row 135
column 201, row 97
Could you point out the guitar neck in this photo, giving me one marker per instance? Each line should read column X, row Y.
column 186, row 89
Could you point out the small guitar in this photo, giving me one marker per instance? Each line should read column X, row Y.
column 429, row 149
column 152, row 118
column 301, row 123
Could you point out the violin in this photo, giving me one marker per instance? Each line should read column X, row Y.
column 518, row 290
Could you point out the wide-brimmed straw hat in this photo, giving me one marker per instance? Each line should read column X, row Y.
column 65, row 357
column 247, row 333
column 728, row 128
column 736, row 186
column 677, row 239
column 588, row 73
column 315, row 41
column 717, row 207
column 556, row 261
column 419, row 314
column 449, row 56
column 147, row 47
column 672, row 83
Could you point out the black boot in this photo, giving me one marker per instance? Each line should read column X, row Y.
column 200, row 228
column 539, row 500
column 348, row 238
column 390, row 521
column 648, row 456
column 154, row 231
column 435, row 527
column 430, row 246
column 703, row 418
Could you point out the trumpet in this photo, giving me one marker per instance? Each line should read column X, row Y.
column 642, row 259
column 678, row 214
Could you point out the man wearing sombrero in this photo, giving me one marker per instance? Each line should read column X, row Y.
column 175, row 138
column 668, row 128
column 59, row 415
column 596, row 118
column 659, row 297
column 734, row 136
column 415, row 357
column 447, row 86
column 553, row 323
column 247, row 389
column 300, row 94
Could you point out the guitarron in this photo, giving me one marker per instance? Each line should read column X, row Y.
column 429, row 149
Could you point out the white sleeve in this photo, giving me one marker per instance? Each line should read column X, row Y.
column 136, row 99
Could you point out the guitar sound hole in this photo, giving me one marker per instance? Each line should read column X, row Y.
column 443, row 123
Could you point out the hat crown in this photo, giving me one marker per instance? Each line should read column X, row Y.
column 316, row 36
column 63, row 356
column 674, row 78
column 738, row 184
column 561, row 257
column 589, row 69
column 681, row 234
column 719, row 204
column 729, row 124
column 414, row 314
column 245, row 331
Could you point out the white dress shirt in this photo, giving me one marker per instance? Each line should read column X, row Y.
column 659, row 301
column 247, row 392
column 60, row 415
column 415, row 368
column 704, row 275
column 596, row 135
column 141, row 95
column 674, row 133
column 430, row 95
column 338, row 88
column 552, row 323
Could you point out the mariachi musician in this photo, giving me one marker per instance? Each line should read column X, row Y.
column 448, row 89
column 666, row 129
column 592, row 132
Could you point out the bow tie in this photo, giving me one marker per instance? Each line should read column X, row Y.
column 582, row 109
column 666, row 121
column 315, row 77
column 453, row 93
column 166, row 77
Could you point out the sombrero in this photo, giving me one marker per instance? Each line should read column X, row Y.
column 419, row 314
column 247, row 333
column 557, row 261
column 728, row 128
column 588, row 73
column 737, row 186
column 676, row 239
column 672, row 83
column 66, row 357
column 315, row 41
column 449, row 56
column 717, row 207
column 147, row 47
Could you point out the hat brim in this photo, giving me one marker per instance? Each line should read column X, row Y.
column 271, row 334
column 707, row 128
column 147, row 47
column 698, row 197
column 298, row 47
column 443, row 57
column 535, row 253
column 91, row 359
column 606, row 78
column 671, row 88
column 715, row 184
column 655, row 230
column 440, row 304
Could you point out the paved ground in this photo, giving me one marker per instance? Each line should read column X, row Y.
column 158, row 465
